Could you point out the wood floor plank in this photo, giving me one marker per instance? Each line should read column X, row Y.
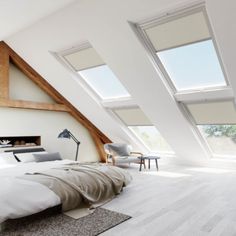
column 177, row 201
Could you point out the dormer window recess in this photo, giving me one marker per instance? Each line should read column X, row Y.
column 90, row 66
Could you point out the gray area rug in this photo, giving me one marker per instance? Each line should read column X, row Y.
column 60, row 225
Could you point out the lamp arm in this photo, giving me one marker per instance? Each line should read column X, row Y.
column 78, row 143
column 74, row 138
column 77, row 150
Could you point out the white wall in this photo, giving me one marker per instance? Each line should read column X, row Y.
column 47, row 124
column 25, row 89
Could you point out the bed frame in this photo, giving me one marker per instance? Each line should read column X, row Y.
column 50, row 211
column 25, row 150
column 42, row 214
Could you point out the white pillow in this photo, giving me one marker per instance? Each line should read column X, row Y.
column 7, row 158
column 55, row 156
column 27, row 156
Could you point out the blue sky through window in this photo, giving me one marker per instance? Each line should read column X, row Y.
column 104, row 82
column 193, row 66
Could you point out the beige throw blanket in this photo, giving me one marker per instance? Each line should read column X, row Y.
column 76, row 183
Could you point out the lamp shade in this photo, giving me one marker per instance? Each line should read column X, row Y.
column 64, row 134
column 67, row 134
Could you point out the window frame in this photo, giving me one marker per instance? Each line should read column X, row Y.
column 191, row 119
column 112, row 112
column 60, row 56
column 140, row 28
column 169, row 153
column 215, row 155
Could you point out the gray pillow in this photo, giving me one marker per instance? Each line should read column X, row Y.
column 119, row 149
column 47, row 157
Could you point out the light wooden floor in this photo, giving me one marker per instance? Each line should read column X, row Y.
column 184, row 201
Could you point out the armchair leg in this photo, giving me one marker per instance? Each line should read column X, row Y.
column 140, row 165
column 142, row 162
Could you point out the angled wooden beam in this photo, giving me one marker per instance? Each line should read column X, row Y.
column 98, row 137
column 32, row 105
column 99, row 145
column 4, row 71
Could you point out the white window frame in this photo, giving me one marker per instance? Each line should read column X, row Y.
column 202, row 138
column 60, row 56
column 112, row 112
column 140, row 27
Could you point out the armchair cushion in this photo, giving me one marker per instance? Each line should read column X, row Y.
column 121, row 153
column 119, row 149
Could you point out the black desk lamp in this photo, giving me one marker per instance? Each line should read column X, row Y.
column 67, row 134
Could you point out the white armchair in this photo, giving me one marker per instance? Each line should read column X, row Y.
column 119, row 153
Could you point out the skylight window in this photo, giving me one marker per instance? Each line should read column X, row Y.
column 220, row 138
column 103, row 81
column 186, row 52
column 193, row 66
column 217, row 124
column 143, row 129
column 96, row 74
column 151, row 138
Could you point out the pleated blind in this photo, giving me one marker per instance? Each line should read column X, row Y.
column 84, row 59
column 213, row 113
column 133, row 117
column 181, row 31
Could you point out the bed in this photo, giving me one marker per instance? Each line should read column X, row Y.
column 29, row 187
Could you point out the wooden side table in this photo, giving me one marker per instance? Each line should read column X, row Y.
column 149, row 158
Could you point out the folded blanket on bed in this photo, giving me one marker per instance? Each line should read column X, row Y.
column 93, row 184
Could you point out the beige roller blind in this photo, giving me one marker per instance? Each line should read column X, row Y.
column 213, row 113
column 84, row 59
column 133, row 117
column 181, row 31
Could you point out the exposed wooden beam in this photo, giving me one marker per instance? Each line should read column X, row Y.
column 4, row 71
column 32, row 105
column 98, row 137
column 99, row 145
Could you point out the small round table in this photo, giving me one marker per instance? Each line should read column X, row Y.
column 149, row 158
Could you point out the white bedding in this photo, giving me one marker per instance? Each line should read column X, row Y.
column 20, row 197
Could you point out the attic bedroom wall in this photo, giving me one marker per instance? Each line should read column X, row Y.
column 47, row 124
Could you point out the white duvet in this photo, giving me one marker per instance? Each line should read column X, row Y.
column 20, row 197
